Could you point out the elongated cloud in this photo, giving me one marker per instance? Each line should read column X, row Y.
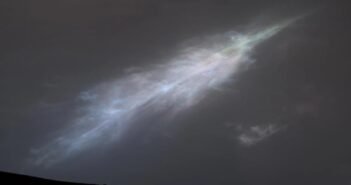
column 174, row 86
column 257, row 133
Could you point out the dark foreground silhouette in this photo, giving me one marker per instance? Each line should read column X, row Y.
column 12, row 178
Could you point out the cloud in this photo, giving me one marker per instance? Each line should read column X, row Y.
column 255, row 134
column 167, row 89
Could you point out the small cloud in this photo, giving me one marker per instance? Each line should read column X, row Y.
column 132, row 69
column 87, row 96
column 255, row 134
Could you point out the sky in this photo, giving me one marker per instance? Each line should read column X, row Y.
column 275, row 112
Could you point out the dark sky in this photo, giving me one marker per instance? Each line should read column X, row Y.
column 52, row 50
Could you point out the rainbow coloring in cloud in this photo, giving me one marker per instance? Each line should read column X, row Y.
column 174, row 86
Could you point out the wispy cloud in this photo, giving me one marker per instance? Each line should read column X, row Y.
column 172, row 87
column 255, row 134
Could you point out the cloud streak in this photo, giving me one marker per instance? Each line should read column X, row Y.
column 173, row 87
column 255, row 134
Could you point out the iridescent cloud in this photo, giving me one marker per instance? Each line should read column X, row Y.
column 174, row 86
